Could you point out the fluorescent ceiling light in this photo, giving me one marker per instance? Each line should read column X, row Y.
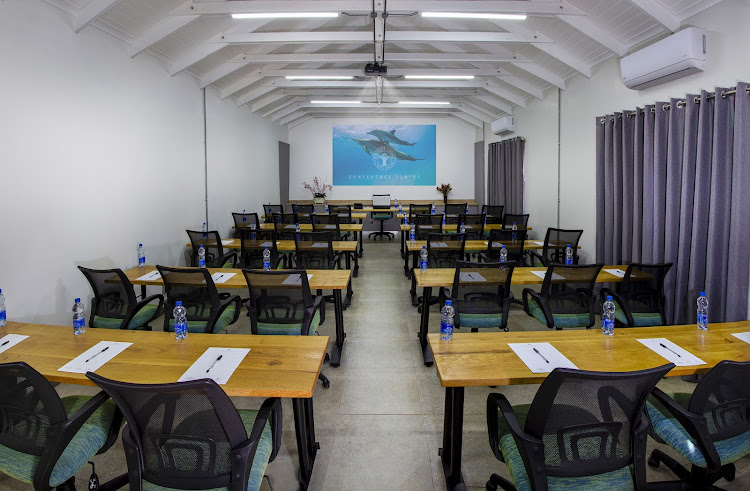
column 319, row 77
column 474, row 15
column 426, row 103
column 439, row 77
column 284, row 15
column 336, row 102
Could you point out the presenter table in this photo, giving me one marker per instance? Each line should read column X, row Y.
column 277, row 366
column 485, row 359
column 336, row 280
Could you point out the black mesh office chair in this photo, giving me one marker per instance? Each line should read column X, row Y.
column 415, row 210
column 382, row 216
column 521, row 221
column 481, row 295
column 567, row 296
column 514, row 248
column 281, row 304
column 285, row 225
column 244, row 220
column 555, row 243
column 252, row 245
column 583, row 430
column 639, row 297
column 494, row 213
column 115, row 306
column 189, row 435
column 314, row 250
column 443, row 250
column 302, row 209
column 269, row 210
column 474, row 225
column 206, row 311
column 216, row 257
column 427, row 224
column 452, row 210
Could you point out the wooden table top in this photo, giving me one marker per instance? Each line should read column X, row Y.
column 359, row 215
column 476, row 245
column 288, row 245
column 322, row 279
column 306, row 227
column 482, row 359
column 276, row 366
column 437, row 277
column 448, row 227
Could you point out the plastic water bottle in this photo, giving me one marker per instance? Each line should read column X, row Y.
column 406, row 221
column 423, row 259
column 443, row 219
column 298, row 231
column 201, row 257
column 400, row 208
column 608, row 317
column 326, row 207
column 141, row 256
column 253, row 235
column 503, row 254
column 568, row 255
column 463, row 228
column 412, row 233
column 467, row 209
column 266, row 259
column 204, row 228
column 244, row 218
column 514, row 233
column 79, row 318
column 433, row 208
column 446, row 321
column 180, row 320
column 3, row 320
column 702, row 311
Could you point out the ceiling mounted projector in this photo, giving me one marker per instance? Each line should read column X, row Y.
column 375, row 69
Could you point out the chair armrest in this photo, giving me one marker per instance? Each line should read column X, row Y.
column 243, row 454
column 233, row 256
column 137, row 307
column 533, row 254
column 530, row 448
column 309, row 314
column 617, row 298
column 237, row 301
column 541, row 301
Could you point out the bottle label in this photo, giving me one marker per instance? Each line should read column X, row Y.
column 423, row 265
column 568, row 261
column 609, row 324
column 142, row 261
column 2, row 315
column 79, row 323
column 703, row 319
column 253, row 236
column 267, row 265
column 201, row 263
column 446, row 328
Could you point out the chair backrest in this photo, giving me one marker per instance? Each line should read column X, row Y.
column 245, row 219
column 195, row 288
column 330, row 219
column 279, row 297
column 29, row 405
column 723, row 398
column 344, row 212
column 427, row 224
column 480, row 288
column 179, row 435
column 521, row 221
column 494, row 213
column 285, row 218
column 569, row 289
column 415, row 210
column 444, row 250
column 113, row 292
column 251, row 249
column 285, row 225
column 499, row 238
column 302, row 208
column 456, row 208
column 211, row 242
column 314, row 250
column 556, row 241
column 269, row 210
column 588, row 420
column 642, row 287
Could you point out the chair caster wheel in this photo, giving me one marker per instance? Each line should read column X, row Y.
column 729, row 476
column 326, row 384
column 327, row 358
column 653, row 462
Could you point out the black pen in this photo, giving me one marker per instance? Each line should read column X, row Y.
column 99, row 353
column 662, row 345
column 1, row 345
column 538, row 353
column 214, row 363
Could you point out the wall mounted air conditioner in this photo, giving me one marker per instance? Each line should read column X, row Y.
column 504, row 125
column 677, row 56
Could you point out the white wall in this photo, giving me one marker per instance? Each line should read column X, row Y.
column 98, row 152
column 312, row 155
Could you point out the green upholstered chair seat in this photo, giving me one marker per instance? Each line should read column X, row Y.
column 620, row 479
column 674, row 434
column 640, row 319
column 84, row 445
column 223, row 321
column 227, row 265
column 289, row 329
column 381, row 216
column 144, row 316
column 560, row 320
column 538, row 263
column 481, row 320
column 260, row 462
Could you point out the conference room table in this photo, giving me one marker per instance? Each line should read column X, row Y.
column 485, row 359
column 336, row 280
column 443, row 277
column 448, row 227
column 276, row 366
column 344, row 227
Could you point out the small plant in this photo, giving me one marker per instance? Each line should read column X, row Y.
column 445, row 189
column 317, row 188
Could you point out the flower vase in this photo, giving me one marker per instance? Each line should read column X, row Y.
column 319, row 200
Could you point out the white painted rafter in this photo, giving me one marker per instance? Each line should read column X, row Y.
column 586, row 26
column 659, row 13
column 159, row 32
column 92, row 11
column 348, row 37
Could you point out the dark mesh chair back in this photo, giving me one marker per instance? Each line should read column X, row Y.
column 269, row 210
column 415, row 210
column 445, row 249
column 556, row 242
column 344, row 213
column 481, row 294
column 314, row 250
column 195, row 288
column 252, row 245
column 474, row 225
column 427, row 224
column 515, row 248
column 113, row 293
column 211, row 242
column 285, row 225
column 242, row 220
column 494, row 213
column 569, row 291
column 456, row 209
column 300, row 209
column 509, row 219
column 642, row 288
column 279, row 298
column 723, row 398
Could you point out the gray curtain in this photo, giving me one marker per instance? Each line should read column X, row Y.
column 505, row 174
column 671, row 186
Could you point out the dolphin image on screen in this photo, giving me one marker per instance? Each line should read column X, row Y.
column 389, row 137
column 373, row 145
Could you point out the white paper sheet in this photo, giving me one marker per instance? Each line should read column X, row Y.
column 617, row 272
column 95, row 357
column 330, row 227
column 227, row 241
column 494, row 244
column 541, row 274
column 540, row 357
column 539, row 243
column 10, row 340
column 290, row 226
column 320, row 245
column 295, row 279
column 210, row 366
column 471, row 277
column 438, row 244
column 672, row 352
column 152, row 276
column 221, row 277
column 744, row 336
column 426, row 226
column 267, row 244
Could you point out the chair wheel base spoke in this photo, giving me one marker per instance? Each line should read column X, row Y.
column 653, row 462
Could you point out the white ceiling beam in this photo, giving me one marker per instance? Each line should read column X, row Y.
column 92, row 11
column 546, row 8
column 480, row 115
column 291, row 117
column 597, row 33
column 297, row 122
column 348, row 37
column 659, row 13
column 483, row 110
column 542, row 73
column 286, row 103
column 504, row 94
column 277, row 6
column 379, row 33
column 253, row 94
column 469, row 118
column 159, row 32
column 356, row 72
column 463, row 122
column 269, row 99
column 286, row 111
column 367, row 57
column 368, row 92
column 492, row 101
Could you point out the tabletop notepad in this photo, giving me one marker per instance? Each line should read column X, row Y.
column 426, row 226
column 218, row 364
column 540, row 357
column 329, row 227
column 539, row 243
column 152, row 276
column 494, row 244
column 267, row 244
column 10, row 340
column 744, row 336
column 295, row 279
column 617, row 272
column 542, row 274
column 320, row 245
column 291, row 226
column 438, row 244
column 95, row 357
column 227, row 241
column 672, row 352
column 468, row 277
column 221, row 277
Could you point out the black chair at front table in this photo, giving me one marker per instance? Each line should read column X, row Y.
column 206, row 311
column 314, row 250
column 252, row 245
column 443, row 250
column 474, row 225
column 639, row 297
column 344, row 213
column 189, row 435
column 583, row 430
column 303, row 209
column 514, row 248
column 521, row 221
column 415, row 210
column 567, row 296
column 427, row 224
column 269, row 210
column 114, row 305
column 494, row 213
column 481, row 295
column 285, row 225
column 452, row 210
column 216, row 257
column 244, row 220
column 555, row 243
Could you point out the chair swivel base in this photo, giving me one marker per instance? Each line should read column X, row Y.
column 497, row 481
column 382, row 232
column 324, row 379
column 696, row 476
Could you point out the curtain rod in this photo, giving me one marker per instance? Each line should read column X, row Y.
column 681, row 103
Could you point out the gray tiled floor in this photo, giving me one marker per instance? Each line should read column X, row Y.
column 380, row 423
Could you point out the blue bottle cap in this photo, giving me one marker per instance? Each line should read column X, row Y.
column 266, row 247
column 609, row 298
column 568, row 245
column 703, row 294
column 78, row 300
column 424, row 247
column 178, row 303
column 140, row 245
column 449, row 302
column 503, row 246
column 1, row 290
column 201, row 246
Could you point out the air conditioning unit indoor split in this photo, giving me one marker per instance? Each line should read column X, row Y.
column 676, row 56
column 504, row 125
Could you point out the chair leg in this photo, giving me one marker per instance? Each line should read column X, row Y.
column 496, row 480
column 325, row 381
column 268, row 480
column 657, row 457
column 69, row 485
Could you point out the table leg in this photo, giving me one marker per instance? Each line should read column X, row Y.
column 361, row 236
column 406, row 265
column 307, row 447
column 424, row 326
column 403, row 243
column 143, row 292
column 453, row 429
column 349, row 263
column 338, row 347
column 356, row 264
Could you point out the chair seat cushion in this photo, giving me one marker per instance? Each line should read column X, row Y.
column 144, row 316
column 289, row 329
column 223, row 321
column 381, row 216
column 260, row 461
column 480, row 320
column 640, row 319
column 84, row 445
column 674, row 434
column 559, row 320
